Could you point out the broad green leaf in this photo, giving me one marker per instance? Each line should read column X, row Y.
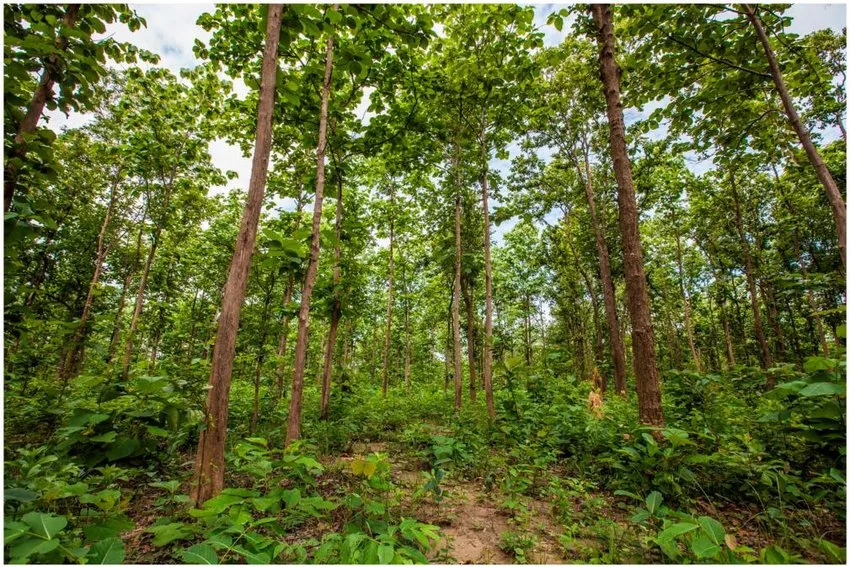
column 671, row 533
column 200, row 554
column 32, row 546
column 823, row 389
column 109, row 551
column 45, row 525
column 653, row 501
column 712, row 529
column 703, row 547
column 385, row 554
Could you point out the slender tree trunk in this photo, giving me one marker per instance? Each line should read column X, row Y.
column 458, row 365
column 736, row 303
column 72, row 360
column 839, row 211
column 608, row 295
column 261, row 356
column 209, row 460
column 119, row 314
column 336, row 310
column 284, row 335
column 719, row 278
column 643, row 347
column 293, row 427
column 191, row 346
column 487, row 363
column 764, row 352
column 773, row 321
column 389, row 319
column 593, row 300
column 448, row 357
column 406, row 327
column 470, row 332
column 52, row 72
column 686, row 299
column 137, row 311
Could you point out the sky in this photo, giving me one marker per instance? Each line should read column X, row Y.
column 171, row 32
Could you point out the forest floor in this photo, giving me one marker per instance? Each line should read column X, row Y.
column 480, row 523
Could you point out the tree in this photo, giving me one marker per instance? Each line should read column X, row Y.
column 208, row 477
column 643, row 347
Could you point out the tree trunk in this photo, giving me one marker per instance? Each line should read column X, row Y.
column 764, row 352
column 487, row 363
column 284, row 335
column 719, row 278
column 389, row 319
column 261, row 355
column 208, row 477
column 458, row 365
column 594, row 302
column 608, row 294
column 293, row 427
column 839, row 211
column 52, row 72
column 686, row 299
column 336, row 310
column 137, row 311
column 470, row 332
column 72, row 360
column 128, row 278
column 406, row 327
column 643, row 348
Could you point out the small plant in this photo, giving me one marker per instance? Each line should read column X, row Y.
column 518, row 544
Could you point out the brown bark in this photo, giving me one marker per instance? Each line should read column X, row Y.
column 608, row 294
column 839, row 211
column 470, row 332
column 594, row 302
column 721, row 279
column 458, row 365
column 128, row 278
column 72, row 360
column 769, row 300
column 389, row 319
column 643, row 348
column 52, row 72
column 208, row 477
column 336, row 310
column 686, row 299
column 487, row 362
column 406, row 326
column 261, row 355
column 284, row 335
column 137, row 311
column 293, row 427
column 765, row 358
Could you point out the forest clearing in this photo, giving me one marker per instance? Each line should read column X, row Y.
column 406, row 283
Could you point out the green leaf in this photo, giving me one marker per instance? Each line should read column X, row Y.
column 19, row 495
column 671, row 533
column 107, row 528
column 653, row 501
column 703, row 547
column 200, row 554
column 712, row 529
column 823, row 389
column 166, row 533
column 834, row 553
column 385, row 554
column 32, row 546
column 45, row 525
column 106, row 552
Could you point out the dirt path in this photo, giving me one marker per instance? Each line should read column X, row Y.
column 473, row 521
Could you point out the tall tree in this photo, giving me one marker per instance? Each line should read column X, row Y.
column 643, row 347
column 208, row 478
